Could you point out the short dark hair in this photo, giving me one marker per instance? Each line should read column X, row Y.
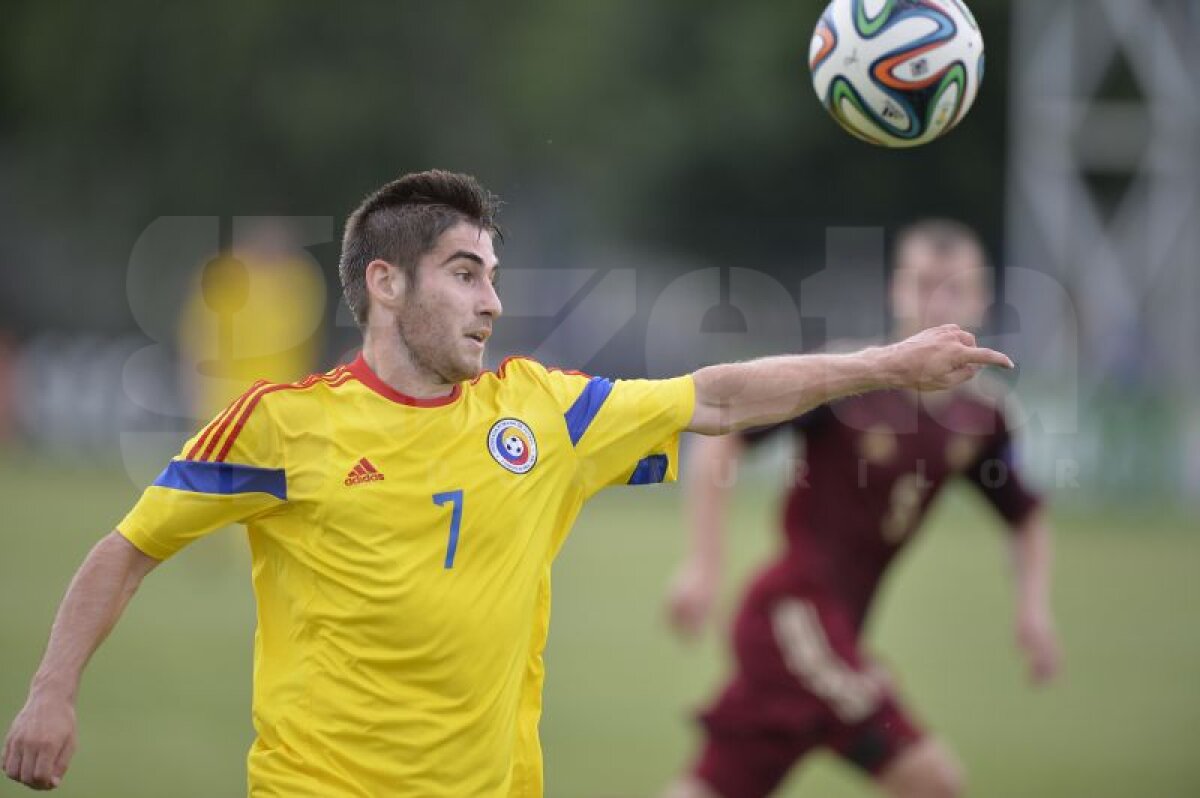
column 402, row 220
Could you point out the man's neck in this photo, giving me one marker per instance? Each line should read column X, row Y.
column 393, row 364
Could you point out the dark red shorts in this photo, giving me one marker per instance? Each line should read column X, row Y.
column 801, row 683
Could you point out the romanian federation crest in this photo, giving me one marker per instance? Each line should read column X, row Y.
column 512, row 445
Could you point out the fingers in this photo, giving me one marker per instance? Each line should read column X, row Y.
column 987, row 357
column 28, row 760
column 950, row 379
column 685, row 620
column 1041, row 669
column 61, row 762
column 1049, row 662
column 12, row 762
column 687, row 615
column 51, row 764
column 43, row 760
column 1042, row 653
column 674, row 615
column 38, row 766
column 677, row 615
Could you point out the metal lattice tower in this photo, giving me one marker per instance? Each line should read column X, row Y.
column 1104, row 190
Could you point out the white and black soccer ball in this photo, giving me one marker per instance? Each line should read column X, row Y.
column 514, row 446
column 897, row 73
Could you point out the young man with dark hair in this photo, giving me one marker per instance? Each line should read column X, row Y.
column 404, row 510
column 872, row 466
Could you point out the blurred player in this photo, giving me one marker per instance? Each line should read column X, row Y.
column 872, row 468
column 403, row 512
column 234, row 330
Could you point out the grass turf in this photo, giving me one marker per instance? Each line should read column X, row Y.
column 165, row 703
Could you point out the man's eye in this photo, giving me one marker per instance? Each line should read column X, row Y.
column 466, row 277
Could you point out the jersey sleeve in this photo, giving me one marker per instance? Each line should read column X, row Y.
column 996, row 475
column 624, row 432
column 230, row 472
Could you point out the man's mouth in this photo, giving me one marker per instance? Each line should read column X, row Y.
column 479, row 336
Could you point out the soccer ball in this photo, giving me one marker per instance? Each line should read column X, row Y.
column 897, row 73
column 514, row 446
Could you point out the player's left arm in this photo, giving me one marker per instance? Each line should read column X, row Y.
column 1032, row 565
column 735, row 396
column 996, row 475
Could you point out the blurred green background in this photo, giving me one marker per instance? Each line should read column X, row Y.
column 165, row 704
column 689, row 126
column 656, row 139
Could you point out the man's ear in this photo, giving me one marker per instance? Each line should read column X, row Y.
column 386, row 283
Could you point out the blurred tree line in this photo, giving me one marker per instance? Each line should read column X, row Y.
column 686, row 127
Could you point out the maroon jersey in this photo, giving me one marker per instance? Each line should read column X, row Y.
column 873, row 465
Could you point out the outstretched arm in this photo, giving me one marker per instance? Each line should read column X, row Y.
column 1032, row 558
column 734, row 396
column 711, row 474
column 42, row 737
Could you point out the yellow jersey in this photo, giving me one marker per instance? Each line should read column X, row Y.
column 234, row 330
column 401, row 561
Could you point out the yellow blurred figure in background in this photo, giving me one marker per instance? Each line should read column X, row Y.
column 234, row 329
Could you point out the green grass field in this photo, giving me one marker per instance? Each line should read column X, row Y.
column 165, row 705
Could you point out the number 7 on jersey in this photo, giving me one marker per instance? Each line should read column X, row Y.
column 455, row 497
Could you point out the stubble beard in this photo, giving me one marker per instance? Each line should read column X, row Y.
column 429, row 351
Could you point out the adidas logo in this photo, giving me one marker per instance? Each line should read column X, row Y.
column 363, row 471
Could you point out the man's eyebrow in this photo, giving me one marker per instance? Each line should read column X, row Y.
column 462, row 253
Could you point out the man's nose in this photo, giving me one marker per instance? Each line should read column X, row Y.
column 491, row 302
